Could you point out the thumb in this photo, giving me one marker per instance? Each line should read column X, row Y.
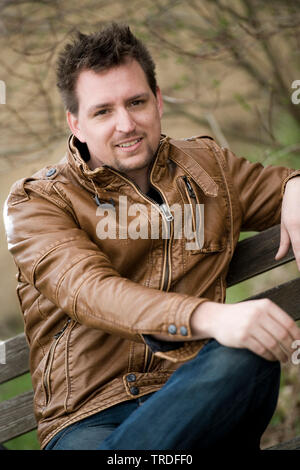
column 284, row 243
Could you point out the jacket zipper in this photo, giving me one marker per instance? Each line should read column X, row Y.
column 49, row 361
column 191, row 198
column 189, row 187
column 195, row 209
column 166, row 278
column 165, row 285
column 168, row 218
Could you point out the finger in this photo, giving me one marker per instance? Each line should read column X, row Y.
column 270, row 345
column 284, row 243
column 280, row 333
column 285, row 320
column 258, row 348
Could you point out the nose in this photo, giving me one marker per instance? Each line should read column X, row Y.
column 124, row 122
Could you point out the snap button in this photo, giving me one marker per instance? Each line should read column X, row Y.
column 134, row 390
column 172, row 329
column 183, row 331
column 131, row 377
column 50, row 172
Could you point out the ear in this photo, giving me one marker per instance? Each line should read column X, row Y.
column 159, row 100
column 74, row 126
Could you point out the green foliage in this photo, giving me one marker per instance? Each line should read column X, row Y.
column 28, row 441
column 15, row 387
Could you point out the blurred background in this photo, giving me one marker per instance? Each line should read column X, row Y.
column 225, row 68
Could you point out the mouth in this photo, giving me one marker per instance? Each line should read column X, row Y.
column 130, row 144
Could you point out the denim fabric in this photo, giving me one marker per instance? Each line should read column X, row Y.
column 224, row 398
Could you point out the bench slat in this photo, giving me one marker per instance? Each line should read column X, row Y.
column 293, row 444
column 286, row 295
column 16, row 416
column 17, row 358
column 255, row 255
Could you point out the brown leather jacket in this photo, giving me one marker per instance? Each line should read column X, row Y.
column 90, row 304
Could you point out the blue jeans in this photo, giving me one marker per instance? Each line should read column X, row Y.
column 224, row 398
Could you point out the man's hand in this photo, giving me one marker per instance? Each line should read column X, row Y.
column 258, row 325
column 290, row 220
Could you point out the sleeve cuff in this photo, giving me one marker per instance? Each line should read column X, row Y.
column 178, row 351
column 291, row 175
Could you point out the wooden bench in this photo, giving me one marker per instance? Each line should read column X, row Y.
column 253, row 256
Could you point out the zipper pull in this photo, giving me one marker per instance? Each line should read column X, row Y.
column 96, row 197
column 167, row 213
column 189, row 187
column 57, row 335
column 104, row 205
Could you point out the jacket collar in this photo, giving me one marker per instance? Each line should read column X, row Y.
column 78, row 157
column 185, row 154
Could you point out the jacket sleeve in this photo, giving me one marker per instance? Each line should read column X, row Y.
column 259, row 190
column 59, row 259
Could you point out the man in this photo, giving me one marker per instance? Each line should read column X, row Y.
column 118, row 316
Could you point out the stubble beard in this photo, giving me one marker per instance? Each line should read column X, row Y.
column 139, row 167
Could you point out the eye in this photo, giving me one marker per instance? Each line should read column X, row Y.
column 137, row 102
column 101, row 112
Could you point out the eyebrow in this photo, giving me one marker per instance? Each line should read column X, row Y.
column 95, row 107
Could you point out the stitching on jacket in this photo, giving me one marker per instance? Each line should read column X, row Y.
column 89, row 313
column 76, row 260
column 39, row 308
column 107, row 400
column 20, row 195
column 187, row 311
column 42, row 191
column 198, row 165
column 50, row 248
column 95, row 409
column 77, row 291
column 130, row 354
column 216, row 152
column 67, row 368
column 105, row 320
column 150, row 263
column 290, row 174
column 63, row 196
column 123, row 326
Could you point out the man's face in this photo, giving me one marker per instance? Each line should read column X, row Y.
column 118, row 117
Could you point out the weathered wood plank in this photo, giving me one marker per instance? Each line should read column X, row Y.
column 17, row 358
column 286, row 295
column 16, row 416
column 293, row 444
column 255, row 255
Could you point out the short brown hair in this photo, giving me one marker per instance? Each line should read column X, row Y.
column 101, row 50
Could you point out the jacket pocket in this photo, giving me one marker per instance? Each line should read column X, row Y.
column 49, row 362
column 205, row 218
